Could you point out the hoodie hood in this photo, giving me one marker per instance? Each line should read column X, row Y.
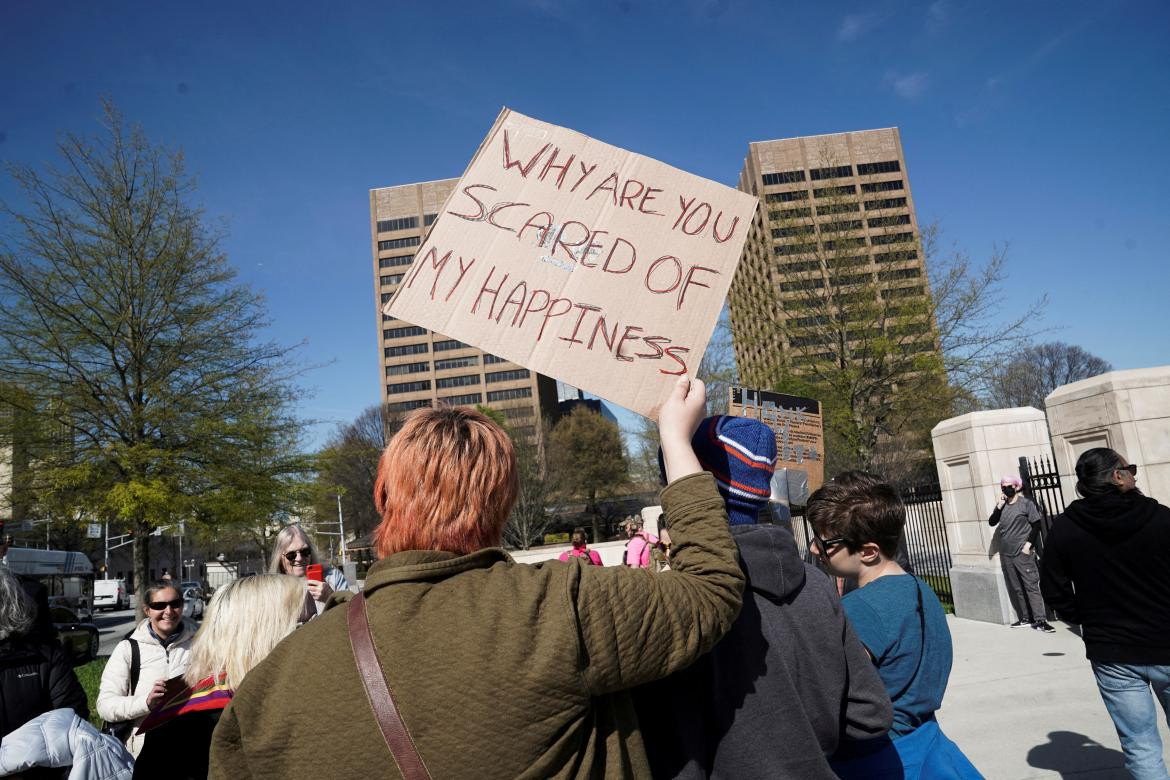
column 1113, row 516
column 769, row 559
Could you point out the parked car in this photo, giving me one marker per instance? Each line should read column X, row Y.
column 79, row 638
column 193, row 603
column 186, row 585
column 110, row 594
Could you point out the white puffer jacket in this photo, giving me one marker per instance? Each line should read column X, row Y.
column 115, row 701
column 58, row 739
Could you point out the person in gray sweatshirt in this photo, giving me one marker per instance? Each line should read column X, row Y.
column 790, row 683
column 1016, row 520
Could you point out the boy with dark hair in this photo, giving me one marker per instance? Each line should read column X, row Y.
column 790, row 681
column 858, row 519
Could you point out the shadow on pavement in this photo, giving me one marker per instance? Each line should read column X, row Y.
column 1075, row 755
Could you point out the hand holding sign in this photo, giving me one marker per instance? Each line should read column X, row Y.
column 579, row 260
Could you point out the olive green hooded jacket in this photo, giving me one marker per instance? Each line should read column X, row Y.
column 499, row 669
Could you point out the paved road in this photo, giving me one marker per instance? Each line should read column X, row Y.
column 113, row 627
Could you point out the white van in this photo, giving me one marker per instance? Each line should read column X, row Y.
column 110, row 594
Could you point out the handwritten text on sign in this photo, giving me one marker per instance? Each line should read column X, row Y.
column 579, row 260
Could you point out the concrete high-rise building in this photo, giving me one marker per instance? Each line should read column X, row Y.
column 420, row 367
column 836, row 231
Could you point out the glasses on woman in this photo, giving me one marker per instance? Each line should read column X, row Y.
column 1131, row 468
column 825, row 546
column 304, row 552
column 159, row 606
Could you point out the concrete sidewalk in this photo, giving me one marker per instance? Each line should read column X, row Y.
column 1022, row 704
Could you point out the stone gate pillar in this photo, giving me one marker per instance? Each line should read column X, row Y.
column 1128, row 411
column 972, row 452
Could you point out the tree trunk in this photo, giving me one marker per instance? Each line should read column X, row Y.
column 595, row 516
column 141, row 564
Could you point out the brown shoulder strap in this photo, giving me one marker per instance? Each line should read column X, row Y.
column 398, row 739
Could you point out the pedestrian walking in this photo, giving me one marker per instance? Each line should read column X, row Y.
column 1107, row 567
column 1016, row 520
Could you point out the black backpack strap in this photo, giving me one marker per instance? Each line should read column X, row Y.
column 135, row 664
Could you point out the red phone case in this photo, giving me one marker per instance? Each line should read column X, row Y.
column 315, row 571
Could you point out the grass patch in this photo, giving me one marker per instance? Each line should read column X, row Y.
column 939, row 585
column 90, row 676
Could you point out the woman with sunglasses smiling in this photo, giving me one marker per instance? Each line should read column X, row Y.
column 293, row 553
column 162, row 644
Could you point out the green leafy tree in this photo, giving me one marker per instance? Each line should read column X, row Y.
column 587, row 461
column 124, row 333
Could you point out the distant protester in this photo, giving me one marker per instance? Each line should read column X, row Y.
column 136, row 674
column 1107, row 567
column 36, row 676
column 580, row 549
column 245, row 619
column 1016, row 520
column 293, row 553
column 639, row 548
column 493, row 668
column 857, row 520
column 62, row 739
column 790, row 682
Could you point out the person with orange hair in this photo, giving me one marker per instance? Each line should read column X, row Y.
column 456, row 661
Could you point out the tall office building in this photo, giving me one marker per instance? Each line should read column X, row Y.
column 421, row 367
column 836, row 226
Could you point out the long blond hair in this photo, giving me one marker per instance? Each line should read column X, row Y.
column 245, row 620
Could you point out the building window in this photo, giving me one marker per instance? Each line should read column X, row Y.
column 896, row 257
column 843, row 243
column 899, row 273
column 903, row 292
column 406, row 406
column 898, row 219
column 837, row 227
column 524, row 430
column 869, row 169
column 836, row 208
column 790, row 214
column 832, row 192
column 506, row 376
column 885, row 203
column 808, row 341
column 517, row 412
column 807, row 265
column 386, row 297
column 893, row 238
column 462, row 362
column 848, row 262
column 398, row 243
column 882, row 186
column 844, row 281
column 462, row 400
column 793, row 249
column 835, row 172
column 408, row 349
column 402, row 223
column 457, row 381
column 398, row 333
column 391, row 278
column 509, row 395
column 800, row 230
column 408, row 368
column 489, row 359
column 429, row 219
column 802, row 284
column 808, row 322
column 443, row 346
column 394, row 262
column 408, row 387
column 788, row 177
column 786, row 197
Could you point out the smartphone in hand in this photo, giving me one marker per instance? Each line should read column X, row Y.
column 315, row 572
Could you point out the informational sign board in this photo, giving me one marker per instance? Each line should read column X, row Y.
column 93, row 531
column 799, row 427
column 579, row 260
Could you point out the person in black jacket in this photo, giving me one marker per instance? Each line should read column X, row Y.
column 1107, row 567
column 35, row 676
column 790, row 682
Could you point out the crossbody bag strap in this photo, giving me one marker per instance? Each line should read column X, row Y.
column 398, row 739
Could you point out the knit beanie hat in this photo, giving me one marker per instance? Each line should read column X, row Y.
column 741, row 454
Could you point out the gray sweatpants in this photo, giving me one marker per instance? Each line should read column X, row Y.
column 1023, row 584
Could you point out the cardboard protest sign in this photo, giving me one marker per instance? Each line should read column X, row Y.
column 580, row 260
column 799, row 427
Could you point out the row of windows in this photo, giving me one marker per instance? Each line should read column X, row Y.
column 843, row 243
column 462, row 362
column 409, row 330
column 786, row 197
column 517, row 412
column 793, row 249
column 903, row 292
column 837, row 227
column 508, row 395
column 800, row 230
column 489, row 359
column 897, row 219
column 836, row 208
column 408, row 387
column 869, row 169
column 398, row 243
column 408, row 368
column 391, row 278
column 790, row 214
column 506, row 376
column 462, row 400
column 882, row 186
column 458, row 381
column 835, row 172
column 802, row 284
column 406, row 406
column 893, row 238
column 885, row 203
column 406, row 349
column 896, row 257
column 833, row 192
column 899, row 273
column 402, row 223
column 394, row 262
column 788, row 177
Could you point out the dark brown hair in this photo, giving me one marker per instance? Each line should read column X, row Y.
column 860, row 507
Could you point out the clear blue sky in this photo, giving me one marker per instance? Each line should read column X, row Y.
column 1042, row 124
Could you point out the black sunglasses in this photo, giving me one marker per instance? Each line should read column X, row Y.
column 826, row 544
column 304, row 552
column 1131, row 468
column 159, row 606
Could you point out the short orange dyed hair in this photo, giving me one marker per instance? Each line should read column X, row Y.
column 446, row 481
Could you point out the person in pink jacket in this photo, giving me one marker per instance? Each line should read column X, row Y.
column 640, row 546
column 580, row 550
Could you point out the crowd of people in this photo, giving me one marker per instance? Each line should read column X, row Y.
column 717, row 650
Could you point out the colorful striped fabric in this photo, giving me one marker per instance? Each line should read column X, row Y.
column 210, row 693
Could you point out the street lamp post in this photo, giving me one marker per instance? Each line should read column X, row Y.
column 341, row 527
